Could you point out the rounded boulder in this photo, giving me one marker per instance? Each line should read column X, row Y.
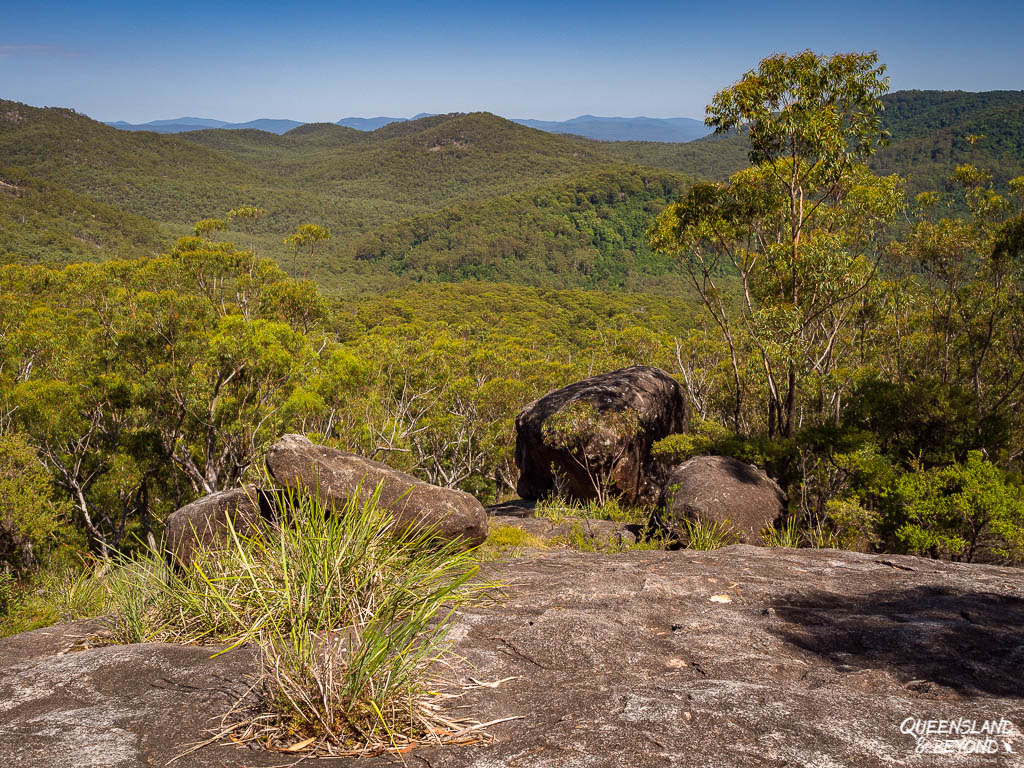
column 723, row 490
column 296, row 462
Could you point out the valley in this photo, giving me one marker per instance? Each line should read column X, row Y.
column 443, row 197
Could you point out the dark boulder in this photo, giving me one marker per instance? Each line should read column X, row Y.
column 296, row 462
column 203, row 524
column 609, row 446
column 720, row 489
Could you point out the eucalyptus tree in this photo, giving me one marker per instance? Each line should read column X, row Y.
column 249, row 216
column 306, row 236
column 800, row 228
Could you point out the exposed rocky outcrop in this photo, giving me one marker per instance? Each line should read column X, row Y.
column 296, row 462
column 608, row 451
column 204, row 522
column 720, row 489
column 739, row 658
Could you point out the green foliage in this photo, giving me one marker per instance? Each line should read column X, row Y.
column 508, row 541
column 44, row 223
column 451, row 197
column 705, row 536
column 935, row 422
column 145, row 383
column 61, row 589
column 30, row 515
column 587, row 233
column 929, row 134
column 557, row 507
column 705, row 436
column 307, row 236
column 348, row 611
column 785, row 536
column 960, row 510
column 840, row 346
column 8, row 594
column 206, row 227
column 825, row 111
column 803, row 267
column 540, row 199
column 934, row 131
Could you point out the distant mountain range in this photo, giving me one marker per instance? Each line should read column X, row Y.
column 182, row 124
column 671, row 129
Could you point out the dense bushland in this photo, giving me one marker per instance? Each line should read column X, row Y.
column 868, row 351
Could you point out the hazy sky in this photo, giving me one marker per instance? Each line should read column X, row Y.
column 312, row 61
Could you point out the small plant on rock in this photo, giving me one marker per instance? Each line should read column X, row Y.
column 578, row 426
column 703, row 535
column 786, row 535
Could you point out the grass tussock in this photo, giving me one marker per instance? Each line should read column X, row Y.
column 557, row 507
column 787, row 535
column 348, row 612
column 705, row 536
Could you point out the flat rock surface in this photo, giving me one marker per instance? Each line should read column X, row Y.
column 744, row 656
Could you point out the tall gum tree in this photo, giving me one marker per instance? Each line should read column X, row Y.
column 799, row 228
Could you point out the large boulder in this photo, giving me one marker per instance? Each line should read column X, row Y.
column 610, row 446
column 295, row 461
column 203, row 524
column 720, row 489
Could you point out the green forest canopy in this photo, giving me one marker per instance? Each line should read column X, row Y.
column 473, row 265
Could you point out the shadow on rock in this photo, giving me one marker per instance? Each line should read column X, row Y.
column 971, row 642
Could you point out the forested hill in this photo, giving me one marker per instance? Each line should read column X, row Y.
column 931, row 132
column 443, row 197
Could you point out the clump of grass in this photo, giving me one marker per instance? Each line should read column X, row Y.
column 75, row 591
column 64, row 591
column 348, row 611
column 786, row 535
column 558, row 507
column 578, row 538
column 705, row 536
column 142, row 594
column 650, row 539
column 9, row 594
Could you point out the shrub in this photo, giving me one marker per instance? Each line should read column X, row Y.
column 704, row 436
column 677, row 448
column 961, row 511
column 579, row 424
column 29, row 515
column 347, row 610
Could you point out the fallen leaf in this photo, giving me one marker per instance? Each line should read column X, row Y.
column 299, row 746
column 494, row 684
column 721, row 599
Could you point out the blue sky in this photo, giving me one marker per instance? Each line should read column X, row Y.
column 311, row 61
